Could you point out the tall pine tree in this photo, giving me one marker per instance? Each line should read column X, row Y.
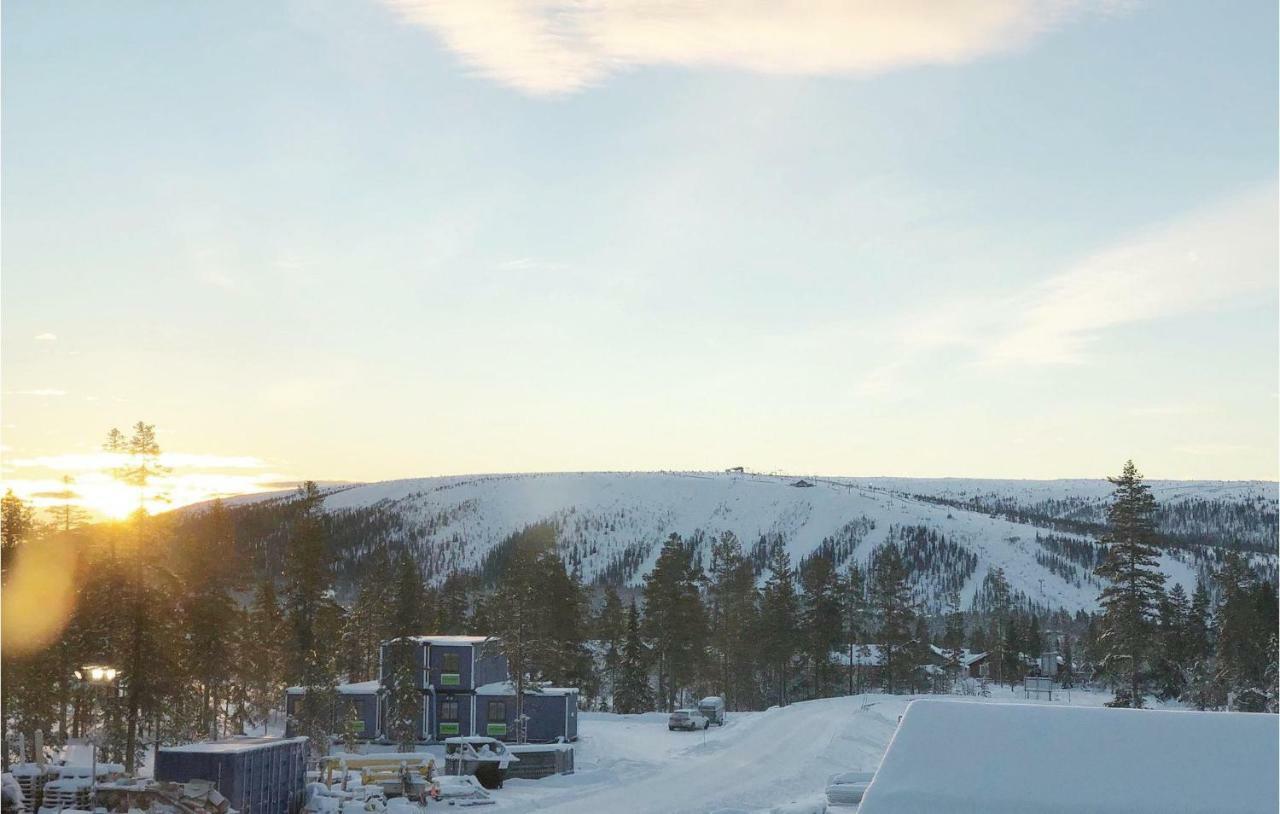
column 1131, row 597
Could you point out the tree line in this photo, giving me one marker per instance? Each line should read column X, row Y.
column 204, row 648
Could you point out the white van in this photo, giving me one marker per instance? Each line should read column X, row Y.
column 713, row 708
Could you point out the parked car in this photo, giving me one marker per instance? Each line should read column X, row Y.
column 713, row 708
column 689, row 719
column 846, row 789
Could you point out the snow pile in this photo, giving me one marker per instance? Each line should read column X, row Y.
column 958, row 756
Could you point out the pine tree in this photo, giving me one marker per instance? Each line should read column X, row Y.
column 262, row 659
column 1241, row 641
column 1175, row 653
column 313, row 620
column 210, row 614
column 352, row 728
column 404, row 699
column 734, row 621
column 633, row 693
column 519, row 617
column 1130, row 599
column 369, row 621
column 611, row 631
column 675, row 619
column 953, row 638
column 855, row 611
column 822, row 612
column 779, row 612
column 564, row 659
column 894, row 606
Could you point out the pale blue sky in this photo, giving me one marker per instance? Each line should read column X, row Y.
column 364, row 240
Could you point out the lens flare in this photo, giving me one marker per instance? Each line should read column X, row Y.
column 38, row 597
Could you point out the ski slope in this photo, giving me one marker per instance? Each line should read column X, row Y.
column 605, row 516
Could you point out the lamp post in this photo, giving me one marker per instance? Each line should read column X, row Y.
column 95, row 676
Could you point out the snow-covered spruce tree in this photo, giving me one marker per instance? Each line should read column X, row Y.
column 352, row 728
column 404, row 699
column 1131, row 597
column 633, row 693
column 895, row 609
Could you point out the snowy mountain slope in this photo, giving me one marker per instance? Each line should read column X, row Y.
column 613, row 524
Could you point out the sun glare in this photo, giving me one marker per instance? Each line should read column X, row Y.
column 104, row 497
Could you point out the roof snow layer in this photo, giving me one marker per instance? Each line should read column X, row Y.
column 994, row 758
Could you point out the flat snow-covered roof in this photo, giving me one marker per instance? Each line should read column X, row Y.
column 231, row 745
column 445, row 639
column 509, row 688
column 358, row 688
column 1050, row 759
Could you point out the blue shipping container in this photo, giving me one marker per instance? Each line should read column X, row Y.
column 257, row 775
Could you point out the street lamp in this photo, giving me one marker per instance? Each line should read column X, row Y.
column 96, row 674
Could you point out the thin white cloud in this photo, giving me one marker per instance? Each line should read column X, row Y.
column 41, row 391
column 46, row 337
column 555, row 47
column 1210, row 259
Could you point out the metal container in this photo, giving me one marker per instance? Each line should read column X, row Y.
column 258, row 775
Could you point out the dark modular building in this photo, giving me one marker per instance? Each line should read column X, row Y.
column 257, row 775
column 364, row 698
column 552, row 712
column 448, row 663
column 459, row 677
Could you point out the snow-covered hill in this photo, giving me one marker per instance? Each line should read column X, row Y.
column 612, row 524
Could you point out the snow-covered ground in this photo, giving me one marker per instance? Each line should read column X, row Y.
column 758, row 760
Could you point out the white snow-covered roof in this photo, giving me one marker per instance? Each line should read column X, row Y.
column 967, row 657
column 241, row 744
column 449, row 639
column 509, row 688
column 358, row 688
column 1068, row 759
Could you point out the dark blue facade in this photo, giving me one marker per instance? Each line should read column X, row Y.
column 551, row 716
column 449, row 667
column 367, row 705
column 451, row 714
column 257, row 775
column 386, row 661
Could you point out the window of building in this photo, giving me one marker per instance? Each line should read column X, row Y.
column 497, row 711
column 451, row 663
column 448, row 710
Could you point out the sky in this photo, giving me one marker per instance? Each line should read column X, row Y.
column 369, row 240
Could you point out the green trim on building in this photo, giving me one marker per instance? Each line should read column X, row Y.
column 494, row 730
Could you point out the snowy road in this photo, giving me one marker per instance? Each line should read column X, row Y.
column 634, row 764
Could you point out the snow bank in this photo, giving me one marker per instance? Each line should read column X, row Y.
column 971, row 757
